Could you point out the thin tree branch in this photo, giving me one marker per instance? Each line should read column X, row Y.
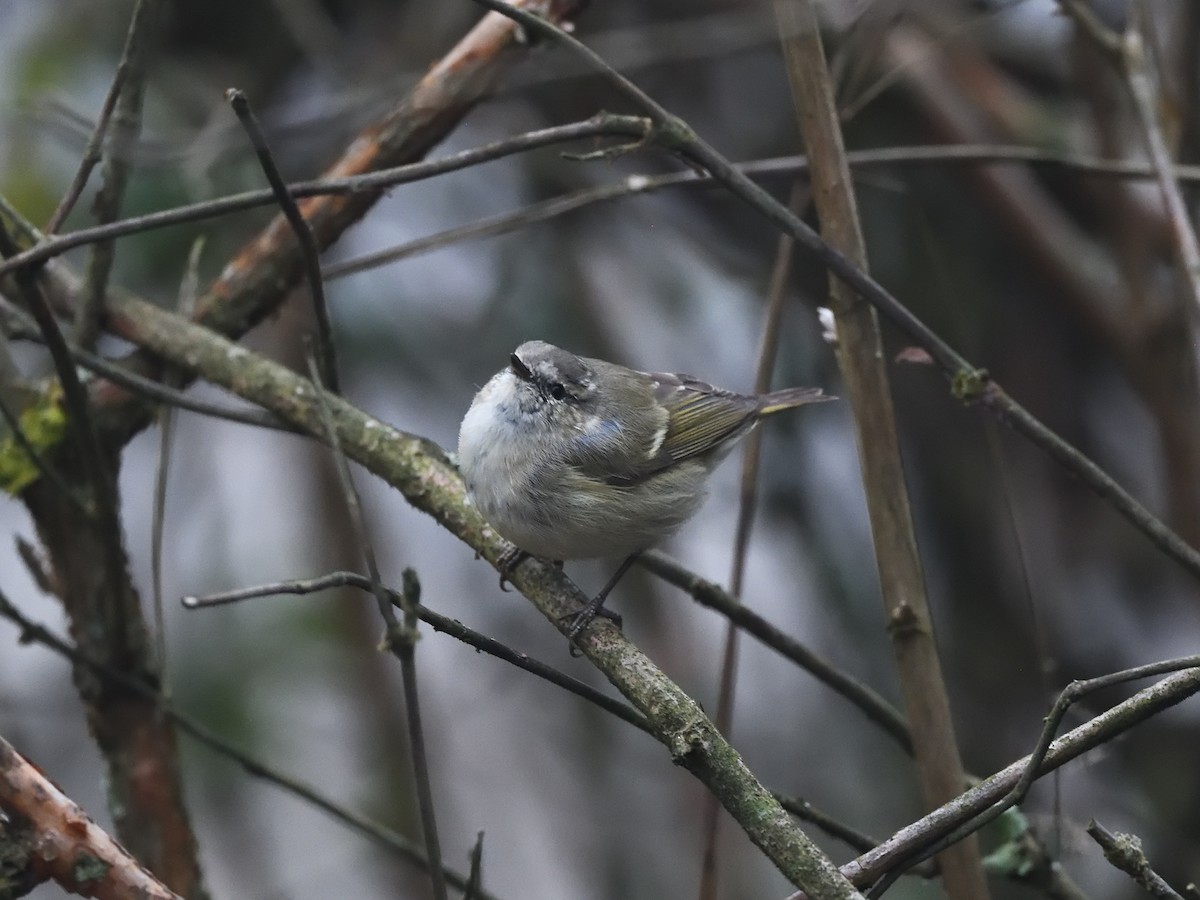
column 127, row 125
column 400, row 640
column 309, row 251
column 602, row 124
column 440, row 623
column 706, row 593
column 166, row 429
column 1087, row 20
column 1125, row 852
column 92, row 151
column 747, row 504
column 1140, row 82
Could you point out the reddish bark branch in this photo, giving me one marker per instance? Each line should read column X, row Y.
column 64, row 843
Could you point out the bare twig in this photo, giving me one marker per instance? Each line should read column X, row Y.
column 127, row 125
column 64, row 841
column 631, row 185
column 747, row 502
column 475, row 878
column 1085, row 17
column 438, row 622
column 601, row 124
column 851, row 837
column 706, row 593
column 1125, row 852
column 166, row 423
column 400, row 639
column 309, row 251
column 92, row 151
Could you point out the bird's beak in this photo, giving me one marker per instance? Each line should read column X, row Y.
column 519, row 368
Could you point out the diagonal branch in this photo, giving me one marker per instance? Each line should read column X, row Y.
column 421, row 471
column 64, row 843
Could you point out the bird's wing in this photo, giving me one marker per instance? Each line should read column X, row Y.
column 702, row 417
column 683, row 418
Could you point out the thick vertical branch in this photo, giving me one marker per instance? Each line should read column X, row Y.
column 860, row 356
column 138, row 745
column 91, row 576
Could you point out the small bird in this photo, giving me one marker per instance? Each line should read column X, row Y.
column 572, row 458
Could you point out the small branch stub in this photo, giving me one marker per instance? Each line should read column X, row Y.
column 968, row 385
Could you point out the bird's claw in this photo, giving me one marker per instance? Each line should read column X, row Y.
column 581, row 619
column 509, row 560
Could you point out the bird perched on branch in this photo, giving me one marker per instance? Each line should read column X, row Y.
column 571, row 458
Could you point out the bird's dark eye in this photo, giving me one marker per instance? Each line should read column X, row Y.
column 557, row 391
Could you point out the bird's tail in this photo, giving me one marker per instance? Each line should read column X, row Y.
column 789, row 398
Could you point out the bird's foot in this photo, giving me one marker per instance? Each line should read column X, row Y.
column 509, row 560
column 578, row 621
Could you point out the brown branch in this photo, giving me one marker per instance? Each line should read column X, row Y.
column 63, row 843
column 864, row 372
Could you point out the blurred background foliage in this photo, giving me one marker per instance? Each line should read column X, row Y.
column 1062, row 284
